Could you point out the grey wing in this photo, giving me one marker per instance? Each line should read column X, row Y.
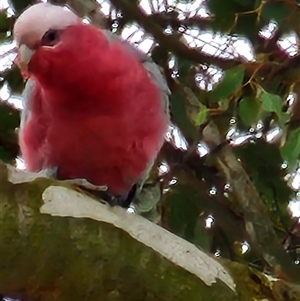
column 26, row 112
column 153, row 69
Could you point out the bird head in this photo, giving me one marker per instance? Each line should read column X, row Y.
column 38, row 33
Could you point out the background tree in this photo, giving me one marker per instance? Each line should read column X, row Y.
column 228, row 175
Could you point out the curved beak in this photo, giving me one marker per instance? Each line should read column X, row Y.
column 23, row 58
column 25, row 54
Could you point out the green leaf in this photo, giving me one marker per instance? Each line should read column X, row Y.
column 249, row 109
column 290, row 151
column 232, row 80
column 273, row 103
column 148, row 198
column 276, row 11
column 179, row 115
column 195, row 110
column 200, row 118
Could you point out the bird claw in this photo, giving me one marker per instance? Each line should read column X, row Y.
column 86, row 184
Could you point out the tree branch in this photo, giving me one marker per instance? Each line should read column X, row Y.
column 58, row 244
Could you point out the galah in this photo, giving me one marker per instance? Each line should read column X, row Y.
column 95, row 107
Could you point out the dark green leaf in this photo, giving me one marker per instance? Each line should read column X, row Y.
column 148, row 198
column 290, row 151
column 249, row 25
column 200, row 118
column 196, row 111
column 249, row 109
column 273, row 103
column 224, row 13
column 276, row 11
column 179, row 115
column 231, row 81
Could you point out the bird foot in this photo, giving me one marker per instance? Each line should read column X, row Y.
column 113, row 200
column 123, row 200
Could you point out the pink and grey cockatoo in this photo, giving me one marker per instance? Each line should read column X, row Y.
column 95, row 107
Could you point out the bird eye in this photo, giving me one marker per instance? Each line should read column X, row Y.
column 50, row 38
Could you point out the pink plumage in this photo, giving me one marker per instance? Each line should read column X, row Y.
column 97, row 109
